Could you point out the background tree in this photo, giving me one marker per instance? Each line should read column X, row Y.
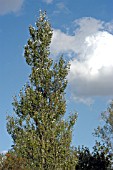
column 95, row 160
column 39, row 132
column 11, row 161
column 105, row 132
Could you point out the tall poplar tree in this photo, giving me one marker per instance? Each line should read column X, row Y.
column 105, row 131
column 39, row 131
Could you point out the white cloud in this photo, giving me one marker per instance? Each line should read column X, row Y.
column 62, row 7
column 48, row 1
column 62, row 42
column 7, row 6
column 91, row 71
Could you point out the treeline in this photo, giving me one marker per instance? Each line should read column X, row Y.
column 41, row 136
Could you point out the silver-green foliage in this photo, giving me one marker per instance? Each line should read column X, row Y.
column 39, row 132
column 105, row 132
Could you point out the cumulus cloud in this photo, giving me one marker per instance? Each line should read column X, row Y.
column 7, row 6
column 91, row 71
column 83, row 28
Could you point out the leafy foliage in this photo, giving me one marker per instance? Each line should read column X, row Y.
column 10, row 161
column 105, row 133
column 97, row 160
column 40, row 134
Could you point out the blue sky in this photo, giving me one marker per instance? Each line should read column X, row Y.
column 83, row 32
